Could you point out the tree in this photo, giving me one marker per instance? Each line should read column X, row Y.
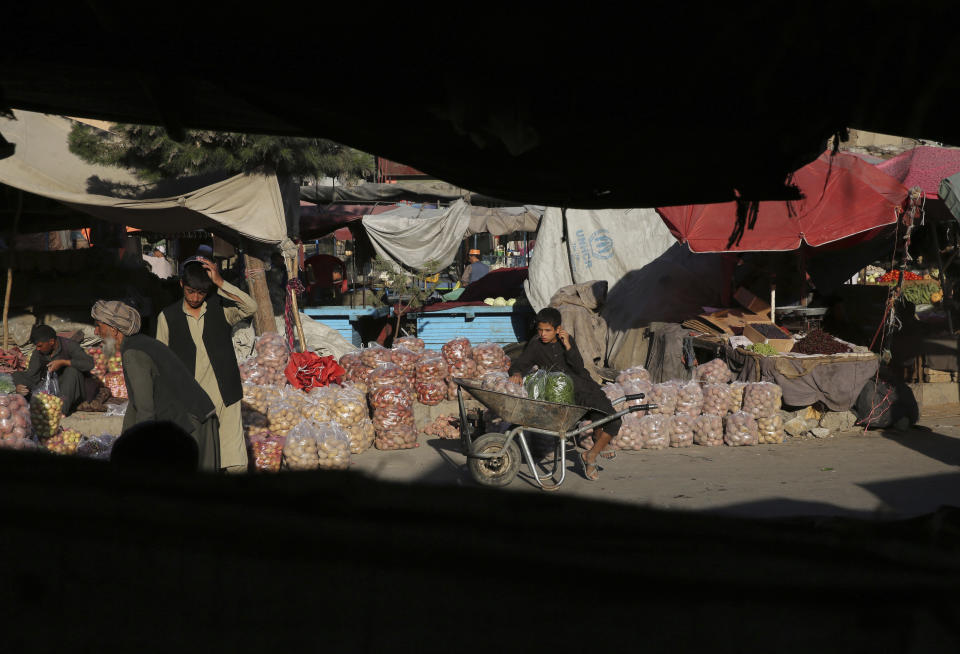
column 153, row 155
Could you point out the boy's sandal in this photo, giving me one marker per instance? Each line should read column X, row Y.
column 587, row 466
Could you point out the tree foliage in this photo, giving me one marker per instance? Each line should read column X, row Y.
column 153, row 155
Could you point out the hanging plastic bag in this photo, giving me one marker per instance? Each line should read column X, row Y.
column 50, row 384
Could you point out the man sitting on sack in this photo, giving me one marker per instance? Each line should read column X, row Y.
column 65, row 358
column 159, row 386
column 198, row 330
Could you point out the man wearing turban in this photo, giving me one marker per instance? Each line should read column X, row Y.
column 159, row 386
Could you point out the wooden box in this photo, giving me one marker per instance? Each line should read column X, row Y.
column 784, row 344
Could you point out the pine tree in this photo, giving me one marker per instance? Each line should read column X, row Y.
column 153, row 155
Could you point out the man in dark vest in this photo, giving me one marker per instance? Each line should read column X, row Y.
column 160, row 388
column 198, row 331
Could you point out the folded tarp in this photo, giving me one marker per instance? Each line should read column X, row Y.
column 248, row 205
column 505, row 220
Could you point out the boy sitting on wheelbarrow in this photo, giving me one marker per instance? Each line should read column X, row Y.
column 556, row 350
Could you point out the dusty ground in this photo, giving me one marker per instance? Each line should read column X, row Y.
column 883, row 474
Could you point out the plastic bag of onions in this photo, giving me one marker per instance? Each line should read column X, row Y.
column 350, row 359
column 388, row 374
column 300, row 447
column 740, row 428
column 489, row 357
column 713, row 372
column 406, row 359
column 16, row 429
column 431, row 393
column 463, row 369
column 613, row 392
column 770, row 430
column 400, row 437
column 458, row 349
column 762, row 400
column 359, row 375
column 634, row 374
column 490, row 380
column 391, row 395
column 736, row 396
column 431, row 368
column 716, row 399
column 270, row 360
column 681, row 431
column 266, row 452
column 708, row 430
column 689, row 398
column 655, row 431
column 412, row 343
column 374, row 355
column 665, row 397
column 333, row 446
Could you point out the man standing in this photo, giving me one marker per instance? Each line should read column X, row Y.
column 198, row 330
column 159, row 263
column 475, row 270
column 159, row 386
column 58, row 355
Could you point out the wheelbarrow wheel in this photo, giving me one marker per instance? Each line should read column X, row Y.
column 500, row 470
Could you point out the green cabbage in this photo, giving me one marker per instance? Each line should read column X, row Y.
column 534, row 383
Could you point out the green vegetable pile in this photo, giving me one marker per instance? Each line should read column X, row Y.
column 6, row 384
column 763, row 348
column 549, row 387
column 920, row 292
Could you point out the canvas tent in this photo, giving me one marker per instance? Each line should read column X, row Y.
column 413, row 236
column 246, row 205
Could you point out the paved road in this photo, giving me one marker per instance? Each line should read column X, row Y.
column 880, row 474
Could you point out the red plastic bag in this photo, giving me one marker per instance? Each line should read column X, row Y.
column 308, row 370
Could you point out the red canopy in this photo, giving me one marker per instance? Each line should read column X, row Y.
column 843, row 196
column 923, row 166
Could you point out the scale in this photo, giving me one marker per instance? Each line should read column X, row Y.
column 810, row 317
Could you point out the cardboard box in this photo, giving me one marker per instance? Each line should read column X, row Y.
column 752, row 303
column 782, row 345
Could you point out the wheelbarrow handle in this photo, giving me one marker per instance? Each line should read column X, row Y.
column 633, row 396
column 643, row 407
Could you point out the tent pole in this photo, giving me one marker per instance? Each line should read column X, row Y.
column 6, row 296
column 291, row 275
column 263, row 322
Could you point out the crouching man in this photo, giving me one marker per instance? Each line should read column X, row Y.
column 159, row 386
column 61, row 356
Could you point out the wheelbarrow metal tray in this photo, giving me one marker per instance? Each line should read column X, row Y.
column 538, row 414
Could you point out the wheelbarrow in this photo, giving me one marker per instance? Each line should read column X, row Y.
column 494, row 458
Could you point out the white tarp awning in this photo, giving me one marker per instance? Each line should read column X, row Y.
column 249, row 205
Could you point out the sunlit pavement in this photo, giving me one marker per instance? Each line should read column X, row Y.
column 882, row 474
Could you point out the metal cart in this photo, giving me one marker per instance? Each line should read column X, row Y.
column 494, row 458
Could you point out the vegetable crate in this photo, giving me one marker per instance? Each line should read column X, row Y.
column 346, row 319
column 481, row 324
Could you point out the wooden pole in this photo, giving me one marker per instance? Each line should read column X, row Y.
column 263, row 321
column 10, row 251
column 292, row 274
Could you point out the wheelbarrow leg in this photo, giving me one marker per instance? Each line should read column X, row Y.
column 466, row 438
column 529, row 458
column 560, row 459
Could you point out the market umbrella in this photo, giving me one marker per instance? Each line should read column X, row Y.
column 924, row 166
column 842, row 197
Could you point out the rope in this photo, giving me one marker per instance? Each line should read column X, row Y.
column 293, row 286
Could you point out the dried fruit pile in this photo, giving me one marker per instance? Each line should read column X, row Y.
column 819, row 342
